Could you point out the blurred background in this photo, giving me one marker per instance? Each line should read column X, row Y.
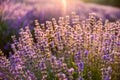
column 115, row 3
column 16, row 14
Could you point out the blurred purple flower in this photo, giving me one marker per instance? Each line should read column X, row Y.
column 105, row 57
column 106, row 78
column 81, row 66
column 86, row 53
column 118, row 43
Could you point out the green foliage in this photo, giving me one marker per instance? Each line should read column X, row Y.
column 5, row 36
column 106, row 2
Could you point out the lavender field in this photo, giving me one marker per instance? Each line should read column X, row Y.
column 59, row 40
column 19, row 14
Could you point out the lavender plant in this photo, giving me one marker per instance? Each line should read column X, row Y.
column 67, row 49
column 15, row 14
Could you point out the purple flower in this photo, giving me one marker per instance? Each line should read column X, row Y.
column 106, row 78
column 42, row 65
column 79, row 53
column 81, row 66
column 107, row 42
column 86, row 53
column 71, row 70
column 105, row 57
column 80, row 78
column 92, row 37
column 118, row 43
column 30, row 76
column 53, row 59
column 104, row 50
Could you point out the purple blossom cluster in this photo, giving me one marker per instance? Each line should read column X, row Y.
column 67, row 49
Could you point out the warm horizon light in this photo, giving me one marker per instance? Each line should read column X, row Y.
column 64, row 3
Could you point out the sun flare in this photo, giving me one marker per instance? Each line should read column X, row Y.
column 64, row 3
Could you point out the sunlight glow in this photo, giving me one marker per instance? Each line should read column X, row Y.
column 64, row 3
